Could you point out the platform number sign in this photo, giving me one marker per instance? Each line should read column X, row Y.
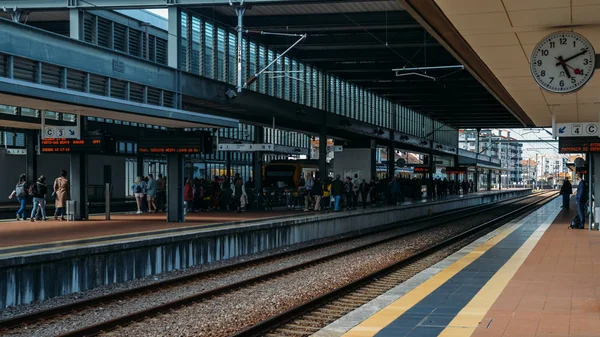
column 576, row 129
column 591, row 129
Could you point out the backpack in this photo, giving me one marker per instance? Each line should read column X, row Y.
column 20, row 190
column 576, row 223
column 33, row 190
column 138, row 188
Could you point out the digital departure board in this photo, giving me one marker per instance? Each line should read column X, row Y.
column 177, row 142
column 88, row 144
column 456, row 170
column 578, row 144
column 421, row 170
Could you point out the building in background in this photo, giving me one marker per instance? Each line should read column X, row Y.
column 500, row 145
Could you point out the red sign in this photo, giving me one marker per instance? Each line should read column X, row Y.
column 421, row 170
column 456, row 170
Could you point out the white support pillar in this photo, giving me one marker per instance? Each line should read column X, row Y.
column 75, row 23
column 240, row 10
column 173, row 45
column 554, row 113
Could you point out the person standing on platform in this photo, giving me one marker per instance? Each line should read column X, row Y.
column 581, row 199
column 364, row 192
column 317, row 192
column 348, row 193
column 20, row 192
column 138, row 191
column 188, row 195
column 310, row 183
column 215, row 189
column 239, row 192
column 151, row 194
column 566, row 190
column 355, row 190
column 39, row 191
column 337, row 188
column 62, row 190
column 161, row 192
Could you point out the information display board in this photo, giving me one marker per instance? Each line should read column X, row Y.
column 177, row 142
column 456, row 170
column 578, row 144
column 87, row 144
column 421, row 170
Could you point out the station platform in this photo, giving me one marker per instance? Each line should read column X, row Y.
column 97, row 252
column 531, row 277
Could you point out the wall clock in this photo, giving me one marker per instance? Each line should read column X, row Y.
column 563, row 62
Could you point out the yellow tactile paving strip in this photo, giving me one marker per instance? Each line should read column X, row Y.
column 374, row 324
column 472, row 315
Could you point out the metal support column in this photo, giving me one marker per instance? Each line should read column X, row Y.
column 175, row 210
column 75, row 26
column 228, row 165
column 239, row 11
column 391, row 164
column 476, row 182
column 323, row 152
column 140, row 165
column 78, row 180
column 257, row 162
column 31, row 152
column 373, row 162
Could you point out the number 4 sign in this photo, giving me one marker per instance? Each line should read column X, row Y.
column 577, row 129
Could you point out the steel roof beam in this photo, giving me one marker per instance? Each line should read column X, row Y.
column 123, row 4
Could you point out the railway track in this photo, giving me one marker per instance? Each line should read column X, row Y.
column 43, row 316
column 311, row 316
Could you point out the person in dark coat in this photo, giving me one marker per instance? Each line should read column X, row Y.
column 566, row 190
column 581, row 199
column 337, row 189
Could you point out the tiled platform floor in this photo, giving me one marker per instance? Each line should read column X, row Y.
column 547, row 285
column 556, row 292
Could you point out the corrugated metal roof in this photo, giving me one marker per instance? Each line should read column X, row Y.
column 323, row 8
column 37, row 16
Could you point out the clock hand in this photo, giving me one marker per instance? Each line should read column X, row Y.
column 563, row 63
column 576, row 70
column 572, row 57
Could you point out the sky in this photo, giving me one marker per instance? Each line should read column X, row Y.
column 162, row 12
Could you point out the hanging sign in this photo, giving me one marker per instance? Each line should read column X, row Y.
column 246, row 147
column 577, row 129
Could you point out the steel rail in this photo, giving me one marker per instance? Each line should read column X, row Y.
column 274, row 322
column 154, row 287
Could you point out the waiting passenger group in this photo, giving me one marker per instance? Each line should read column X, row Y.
column 38, row 192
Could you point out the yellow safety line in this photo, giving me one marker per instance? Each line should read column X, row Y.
column 469, row 318
column 372, row 325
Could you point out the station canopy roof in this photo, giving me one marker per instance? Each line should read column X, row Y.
column 501, row 35
column 361, row 41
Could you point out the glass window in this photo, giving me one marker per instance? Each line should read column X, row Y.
column 196, row 38
column 262, row 63
column 184, row 41
column 287, row 81
column 279, row 79
column 209, row 50
column 221, row 40
column 295, row 81
column 271, row 83
column 253, row 65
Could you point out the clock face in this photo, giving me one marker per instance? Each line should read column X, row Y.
column 563, row 62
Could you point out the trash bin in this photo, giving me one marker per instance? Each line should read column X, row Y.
column 71, row 210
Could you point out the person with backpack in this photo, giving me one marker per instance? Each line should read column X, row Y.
column 337, row 189
column 20, row 192
column 38, row 191
column 364, row 192
column 62, row 190
column 138, row 189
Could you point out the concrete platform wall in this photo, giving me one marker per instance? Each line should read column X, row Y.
column 34, row 277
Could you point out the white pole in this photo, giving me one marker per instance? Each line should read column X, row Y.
column 240, row 16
